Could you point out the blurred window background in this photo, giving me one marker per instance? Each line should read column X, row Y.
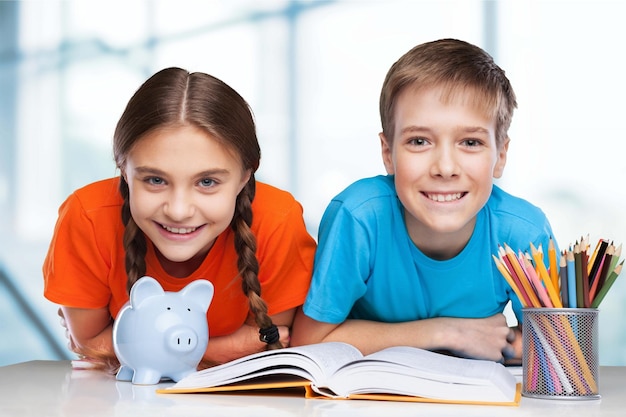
column 312, row 72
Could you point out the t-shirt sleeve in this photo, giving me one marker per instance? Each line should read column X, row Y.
column 74, row 270
column 285, row 252
column 342, row 265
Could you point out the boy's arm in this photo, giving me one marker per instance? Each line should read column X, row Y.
column 488, row 338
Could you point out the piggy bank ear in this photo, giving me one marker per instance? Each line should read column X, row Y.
column 144, row 288
column 201, row 291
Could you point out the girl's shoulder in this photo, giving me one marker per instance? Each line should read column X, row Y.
column 99, row 194
column 270, row 201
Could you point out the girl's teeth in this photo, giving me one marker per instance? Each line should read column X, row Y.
column 180, row 231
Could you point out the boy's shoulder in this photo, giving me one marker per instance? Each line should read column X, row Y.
column 367, row 190
column 503, row 203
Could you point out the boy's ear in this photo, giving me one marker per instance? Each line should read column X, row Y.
column 498, row 169
column 385, row 148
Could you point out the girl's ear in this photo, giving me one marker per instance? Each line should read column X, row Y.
column 387, row 154
column 244, row 180
column 498, row 169
column 123, row 173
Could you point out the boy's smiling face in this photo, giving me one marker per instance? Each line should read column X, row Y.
column 444, row 157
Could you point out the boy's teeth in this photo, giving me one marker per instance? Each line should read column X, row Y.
column 181, row 230
column 444, row 197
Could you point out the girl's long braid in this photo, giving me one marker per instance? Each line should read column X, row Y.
column 134, row 241
column 245, row 245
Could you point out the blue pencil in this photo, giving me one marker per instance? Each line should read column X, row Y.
column 564, row 283
column 571, row 279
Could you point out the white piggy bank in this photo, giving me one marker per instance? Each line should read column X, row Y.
column 161, row 334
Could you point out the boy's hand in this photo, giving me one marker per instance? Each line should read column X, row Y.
column 489, row 338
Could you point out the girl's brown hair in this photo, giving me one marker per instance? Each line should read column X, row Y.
column 175, row 97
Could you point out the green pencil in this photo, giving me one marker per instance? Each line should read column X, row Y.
column 607, row 285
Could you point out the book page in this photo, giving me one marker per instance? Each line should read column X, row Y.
column 312, row 362
column 438, row 366
column 417, row 372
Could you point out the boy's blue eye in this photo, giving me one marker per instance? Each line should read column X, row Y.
column 417, row 141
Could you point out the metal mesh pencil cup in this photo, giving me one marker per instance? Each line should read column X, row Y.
column 560, row 353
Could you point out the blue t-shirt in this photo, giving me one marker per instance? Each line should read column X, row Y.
column 367, row 267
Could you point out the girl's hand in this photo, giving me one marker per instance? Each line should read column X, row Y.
column 70, row 342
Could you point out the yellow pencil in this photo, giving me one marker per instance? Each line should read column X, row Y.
column 554, row 272
column 534, row 301
column 543, row 274
column 509, row 279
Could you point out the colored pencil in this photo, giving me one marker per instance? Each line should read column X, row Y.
column 543, row 274
column 579, row 276
column 534, row 301
column 596, row 260
column 507, row 276
column 606, row 268
column 607, row 285
column 552, row 261
column 563, row 279
column 571, row 278
column 584, row 259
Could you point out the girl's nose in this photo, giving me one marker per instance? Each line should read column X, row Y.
column 179, row 206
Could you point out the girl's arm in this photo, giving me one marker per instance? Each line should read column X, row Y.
column 488, row 338
column 88, row 329
column 89, row 334
column 245, row 340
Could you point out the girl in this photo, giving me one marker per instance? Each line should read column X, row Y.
column 186, row 206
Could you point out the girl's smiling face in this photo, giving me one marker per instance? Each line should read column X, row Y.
column 183, row 185
column 444, row 157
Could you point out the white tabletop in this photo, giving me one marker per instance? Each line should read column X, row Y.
column 53, row 388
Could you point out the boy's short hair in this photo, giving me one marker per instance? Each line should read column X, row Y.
column 454, row 65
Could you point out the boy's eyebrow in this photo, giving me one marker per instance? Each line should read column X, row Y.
column 474, row 129
column 410, row 129
column 468, row 129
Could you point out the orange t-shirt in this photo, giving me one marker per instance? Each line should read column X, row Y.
column 84, row 266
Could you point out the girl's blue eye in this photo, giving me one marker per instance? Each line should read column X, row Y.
column 155, row 180
column 207, row 182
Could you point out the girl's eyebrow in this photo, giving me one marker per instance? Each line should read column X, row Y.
column 155, row 171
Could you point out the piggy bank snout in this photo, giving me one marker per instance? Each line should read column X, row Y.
column 181, row 339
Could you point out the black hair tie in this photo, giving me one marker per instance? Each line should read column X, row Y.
column 269, row 335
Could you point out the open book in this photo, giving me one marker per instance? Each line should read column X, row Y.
column 339, row 370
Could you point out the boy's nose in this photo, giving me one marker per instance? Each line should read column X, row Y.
column 444, row 164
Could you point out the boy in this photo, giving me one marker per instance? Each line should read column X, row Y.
column 406, row 259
